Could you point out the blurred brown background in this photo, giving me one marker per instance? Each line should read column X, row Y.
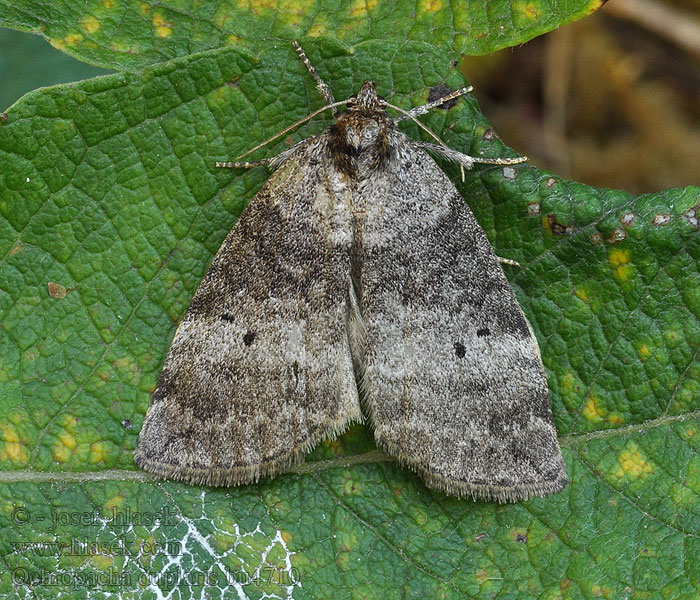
column 612, row 100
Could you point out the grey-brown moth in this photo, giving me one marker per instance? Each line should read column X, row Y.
column 357, row 284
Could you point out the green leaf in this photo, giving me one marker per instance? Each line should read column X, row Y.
column 110, row 211
column 132, row 34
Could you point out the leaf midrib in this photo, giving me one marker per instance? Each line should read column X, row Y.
column 373, row 456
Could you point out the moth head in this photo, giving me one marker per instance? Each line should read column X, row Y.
column 367, row 98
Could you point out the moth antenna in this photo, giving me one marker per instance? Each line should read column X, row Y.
column 244, row 165
column 293, row 125
column 321, row 85
column 421, row 110
column 408, row 115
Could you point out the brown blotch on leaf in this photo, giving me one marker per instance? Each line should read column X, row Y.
column 56, row 290
column 533, row 208
column 661, row 219
column 616, row 235
column 440, row 91
column 628, row 218
column 691, row 215
column 556, row 227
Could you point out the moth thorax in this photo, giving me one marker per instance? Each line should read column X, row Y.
column 361, row 134
column 359, row 142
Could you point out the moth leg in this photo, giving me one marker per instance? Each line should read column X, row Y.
column 464, row 159
column 508, row 261
column 321, row 85
column 421, row 110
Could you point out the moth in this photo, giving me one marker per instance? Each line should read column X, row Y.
column 357, row 284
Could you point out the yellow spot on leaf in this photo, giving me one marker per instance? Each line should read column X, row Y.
column 603, row 592
column 419, row 516
column 593, row 411
column 688, row 433
column 682, row 495
column 108, row 3
column 9, row 433
column 103, row 561
column 90, row 24
column 73, row 38
column 66, row 443
column 233, row 39
column 430, row 5
column 529, row 10
column 12, row 449
column 67, row 440
column 257, row 6
column 644, row 352
column 104, row 374
column 61, row 453
column 348, row 541
column 287, row 536
column 619, row 260
column 352, row 487
column 98, row 452
column 145, row 8
column 671, row 335
column 581, row 294
column 317, row 30
column 360, row 8
column 114, row 504
column 481, row 575
column 343, row 561
column 633, row 463
column 163, row 27
column 122, row 364
column 619, row 257
column 569, row 383
column 16, row 453
column 335, row 446
column 70, row 40
column 615, row 418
